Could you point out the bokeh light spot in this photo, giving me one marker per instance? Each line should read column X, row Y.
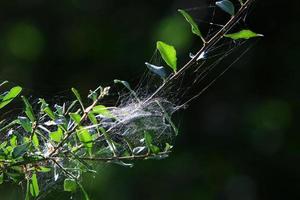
column 25, row 41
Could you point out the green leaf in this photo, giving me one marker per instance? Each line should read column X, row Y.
column 43, row 169
column 92, row 118
column 11, row 95
column 70, row 185
column 20, row 150
column 35, row 141
column 28, row 109
column 85, row 137
column 25, row 123
column 13, row 141
column 75, row 117
column 45, row 108
column 168, row 53
column 1, row 178
column 34, row 186
column 57, row 136
column 78, row 97
column 190, row 20
column 148, row 140
column 102, row 110
column 243, row 34
column 226, row 6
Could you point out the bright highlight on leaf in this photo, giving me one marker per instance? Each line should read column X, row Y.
column 243, row 34
column 168, row 53
column 11, row 95
column 189, row 19
column 226, row 6
column 57, row 136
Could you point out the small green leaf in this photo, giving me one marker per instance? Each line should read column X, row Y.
column 190, row 20
column 35, row 141
column 43, row 169
column 85, row 137
column 13, row 141
column 46, row 109
column 70, row 185
column 78, row 97
column 92, row 118
column 102, row 110
column 243, row 34
column 11, row 95
column 34, row 186
column 148, row 140
column 168, row 53
column 226, row 6
column 28, row 110
column 75, row 117
column 57, row 136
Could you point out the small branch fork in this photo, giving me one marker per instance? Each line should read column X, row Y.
column 207, row 44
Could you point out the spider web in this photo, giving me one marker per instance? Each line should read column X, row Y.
column 137, row 111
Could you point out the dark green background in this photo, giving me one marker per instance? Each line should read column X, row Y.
column 238, row 141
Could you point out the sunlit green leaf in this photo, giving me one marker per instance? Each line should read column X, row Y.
column 75, row 117
column 13, row 141
column 57, row 136
column 43, row 169
column 46, row 109
column 168, row 53
column 190, row 20
column 34, row 186
column 86, row 138
column 243, row 34
column 92, row 118
column 28, row 109
column 11, row 95
column 35, row 141
column 102, row 110
column 70, row 185
column 227, row 6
